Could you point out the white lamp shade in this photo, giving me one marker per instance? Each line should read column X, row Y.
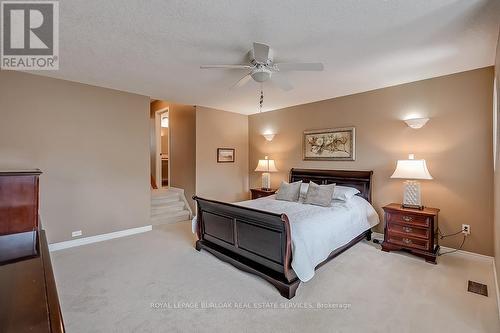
column 411, row 169
column 266, row 166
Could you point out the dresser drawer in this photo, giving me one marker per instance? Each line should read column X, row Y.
column 408, row 219
column 411, row 231
column 407, row 241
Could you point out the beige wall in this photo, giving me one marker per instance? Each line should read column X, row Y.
column 182, row 159
column 220, row 129
column 497, row 171
column 456, row 143
column 92, row 145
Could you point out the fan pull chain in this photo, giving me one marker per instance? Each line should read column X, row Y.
column 261, row 98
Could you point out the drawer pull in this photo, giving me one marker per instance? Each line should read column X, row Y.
column 407, row 241
column 407, row 229
column 407, row 218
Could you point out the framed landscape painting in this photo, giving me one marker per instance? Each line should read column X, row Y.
column 334, row 144
column 225, row 155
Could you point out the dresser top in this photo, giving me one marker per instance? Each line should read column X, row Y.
column 19, row 172
column 399, row 208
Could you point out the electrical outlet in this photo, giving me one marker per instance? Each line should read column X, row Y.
column 76, row 233
column 466, row 229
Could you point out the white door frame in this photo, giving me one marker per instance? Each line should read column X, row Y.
column 158, row 175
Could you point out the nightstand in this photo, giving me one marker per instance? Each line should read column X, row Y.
column 260, row 193
column 411, row 230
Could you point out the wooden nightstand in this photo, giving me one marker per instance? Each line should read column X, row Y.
column 411, row 230
column 260, row 193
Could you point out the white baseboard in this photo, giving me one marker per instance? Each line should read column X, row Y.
column 467, row 253
column 98, row 238
column 496, row 286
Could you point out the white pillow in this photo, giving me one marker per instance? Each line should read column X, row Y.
column 319, row 195
column 289, row 191
column 344, row 193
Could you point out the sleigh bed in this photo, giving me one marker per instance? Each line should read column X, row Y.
column 259, row 241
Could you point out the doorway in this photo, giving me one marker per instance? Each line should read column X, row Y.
column 164, row 149
column 161, row 148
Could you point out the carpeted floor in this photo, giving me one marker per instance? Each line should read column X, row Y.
column 157, row 282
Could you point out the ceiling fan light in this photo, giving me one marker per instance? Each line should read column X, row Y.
column 261, row 76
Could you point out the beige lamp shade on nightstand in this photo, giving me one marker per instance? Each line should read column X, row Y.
column 411, row 170
column 266, row 166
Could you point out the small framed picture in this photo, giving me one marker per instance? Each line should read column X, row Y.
column 225, row 155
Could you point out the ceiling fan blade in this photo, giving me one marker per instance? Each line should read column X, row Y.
column 297, row 66
column 241, row 82
column 226, row 67
column 261, row 52
column 281, row 82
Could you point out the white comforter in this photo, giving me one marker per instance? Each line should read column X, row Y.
column 317, row 231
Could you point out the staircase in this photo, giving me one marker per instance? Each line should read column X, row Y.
column 168, row 206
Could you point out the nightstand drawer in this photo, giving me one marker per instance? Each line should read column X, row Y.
column 409, row 231
column 409, row 219
column 407, row 241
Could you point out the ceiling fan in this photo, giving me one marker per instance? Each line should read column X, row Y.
column 262, row 67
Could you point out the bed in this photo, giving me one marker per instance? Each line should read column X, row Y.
column 259, row 236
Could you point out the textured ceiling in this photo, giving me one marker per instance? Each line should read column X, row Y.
column 155, row 47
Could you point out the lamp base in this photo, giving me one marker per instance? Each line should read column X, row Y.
column 407, row 206
column 412, row 195
column 266, row 180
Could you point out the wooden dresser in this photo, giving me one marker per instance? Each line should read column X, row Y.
column 411, row 230
column 18, row 201
column 28, row 294
column 260, row 193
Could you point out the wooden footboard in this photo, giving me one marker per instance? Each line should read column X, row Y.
column 250, row 239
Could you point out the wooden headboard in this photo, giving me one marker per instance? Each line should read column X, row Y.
column 362, row 180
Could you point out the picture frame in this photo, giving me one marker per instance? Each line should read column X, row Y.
column 225, row 155
column 331, row 144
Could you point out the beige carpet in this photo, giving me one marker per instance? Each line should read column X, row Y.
column 110, row 287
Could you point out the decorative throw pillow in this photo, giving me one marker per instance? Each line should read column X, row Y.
column 289, row 191
column 344, row 193
column 319, row 195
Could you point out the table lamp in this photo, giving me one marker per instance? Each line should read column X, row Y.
column 411, row 170
column 266, row 166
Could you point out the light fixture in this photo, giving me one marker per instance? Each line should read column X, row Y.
column 164, row 122
column 411, row 170
column 416, row 123
column 266, row 166
column 269, row 136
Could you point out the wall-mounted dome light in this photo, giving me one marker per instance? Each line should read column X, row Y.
column 416, row 123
